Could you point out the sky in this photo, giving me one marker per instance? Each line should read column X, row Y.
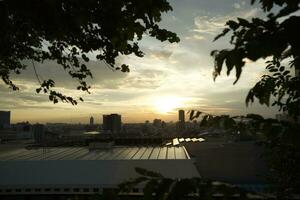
column 169, row 77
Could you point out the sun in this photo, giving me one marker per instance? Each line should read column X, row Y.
column 165, row 104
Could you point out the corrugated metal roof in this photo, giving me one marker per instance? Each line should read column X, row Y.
column 79, row 167
column 82, row 153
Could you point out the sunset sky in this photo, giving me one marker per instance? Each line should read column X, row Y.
column 168, row 77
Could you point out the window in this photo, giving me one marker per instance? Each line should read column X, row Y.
column 37, row 189
column 18, row 190
column 86, row 190
column 27, row 190
column 67, row 190
column 8, row 190
column 96, row 190
column 135, row 190
column 47, row 189
column 56, row 190
column 75, row 189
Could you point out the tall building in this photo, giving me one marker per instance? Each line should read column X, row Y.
column 112, row 123
column 4, row 119
column 92, row 121
column 181, row 115
column 181, row 123
column 39, row 133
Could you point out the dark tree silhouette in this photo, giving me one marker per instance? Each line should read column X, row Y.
column 275, row 37
column 65, row 31
column 159, row 187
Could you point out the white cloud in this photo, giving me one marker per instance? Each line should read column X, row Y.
column 195, row 37
column 209, row 25
column 237, row 5
column 212, row 25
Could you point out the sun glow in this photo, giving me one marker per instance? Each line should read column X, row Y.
column 165, row 104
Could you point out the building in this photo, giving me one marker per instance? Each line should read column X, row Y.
column 112, row 123
column 91, row 121
column 157, row 123
column 70, row 171
column 181, row 122
column 4, row 119
column 39, row 133
column 181, row 116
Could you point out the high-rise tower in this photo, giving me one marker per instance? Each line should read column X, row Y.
column 4, row 119
column 181, row 115
column 92, row 121
column 112, row 123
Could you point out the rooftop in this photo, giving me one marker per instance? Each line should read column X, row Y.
column 79, row 167
column 83, row 153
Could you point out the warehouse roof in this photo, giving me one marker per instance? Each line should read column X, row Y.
column 82, row 153
column 70, row 167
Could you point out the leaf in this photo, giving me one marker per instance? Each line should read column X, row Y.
column 85, row 58
column 273, row 70
column 281, row 68
column 285, row 73
column 149, row 173
column 191, row 114
column 238, row 69
column 197, row 115
column 244, row 22
column 124, row 68
column 232, row 24
column 225, row 31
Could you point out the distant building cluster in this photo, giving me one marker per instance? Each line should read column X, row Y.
column 112, row 126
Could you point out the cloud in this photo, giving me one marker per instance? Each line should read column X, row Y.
column 158, row 54
column 236, row 5
column 103, row 76
column 239, row 5
column 195, row 37
column 207, row 25
column 212, row 25
column 145, row 79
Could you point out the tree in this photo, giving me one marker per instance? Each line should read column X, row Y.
column 66, row 31
column 156, row 186
column 275, row 38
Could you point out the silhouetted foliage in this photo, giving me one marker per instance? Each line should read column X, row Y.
column 159, row 187
column 282, row 144
column 66, row 31
column 275, row 37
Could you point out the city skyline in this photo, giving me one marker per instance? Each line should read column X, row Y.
column 168, row 78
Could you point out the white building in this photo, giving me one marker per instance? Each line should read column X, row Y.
column 77, row 170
